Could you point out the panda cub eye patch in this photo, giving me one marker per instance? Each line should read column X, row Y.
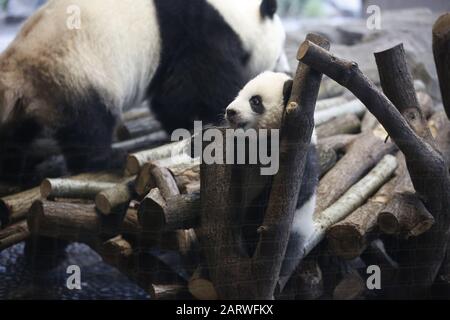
column 256, row 104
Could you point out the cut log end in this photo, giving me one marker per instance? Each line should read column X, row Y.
column 133, row 166
column 46, row 188
column 388, row 223
column 103, row 204
column 442, row 25
column 350, row 243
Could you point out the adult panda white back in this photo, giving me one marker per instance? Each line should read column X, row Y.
column 117, row 54
column 259, row 28
column 190, row 57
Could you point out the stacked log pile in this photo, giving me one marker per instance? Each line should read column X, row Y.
column 383, row 198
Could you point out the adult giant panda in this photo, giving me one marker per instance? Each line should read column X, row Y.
column 260, row 105
column 75, row 79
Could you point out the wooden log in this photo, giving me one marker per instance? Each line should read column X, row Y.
column 352, row 107
column 369, row 122
column 136, row 113
column 184, row 173
column 361, row 156
column 441, row 44
column 116, row 198
column 306, row 283
column 349, row 238
column 177, row 212
column 165, row 182
column 339, row 143
column 345, row 124
column 138, row 128
column 76, row 222
column 327, row 159
column 7, row 190
column 398, row 86
column 69, row 188
column 440, row 129
column 151, row 140
column 201, row 287
column 427, row 167
column 405, row 215
column 235, row 276
column 13, row 235
column 168, row 292
column 15, row 207
column 351, row 200
column 137, row 160
column 351, row 287
column 332, row 102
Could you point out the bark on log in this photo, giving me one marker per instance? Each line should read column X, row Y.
column 369, row 122
column 170, row 292
column 405, row 215
column 184, row 173
column 15, row 207
column 361, row 156
column 427, row 167
column 235, row 276
column 177, row 212
column 13, row 235
column 76, row 222
column 116, row 198
column 441, row 50
column 137, row 128
column 351, row 200
column 332, row 102
column 69, row 188
column 440, row 129
column 339, row 143
column 136, row 113
column 306, row 283
column 151, row 140
column 345, row 124
column 327, row 159
column 353, row 107
column 201, row 287
column 349, row 238
column 351, row 287
column 137, row 160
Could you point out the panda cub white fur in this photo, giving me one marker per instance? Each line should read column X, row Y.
column 260, row 105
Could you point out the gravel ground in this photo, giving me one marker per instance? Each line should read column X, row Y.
column 99, row 280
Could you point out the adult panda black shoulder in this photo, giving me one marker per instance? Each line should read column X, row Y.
column 190, row 57
column 260, row 105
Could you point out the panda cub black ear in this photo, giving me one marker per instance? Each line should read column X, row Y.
column 287, row 89
column 268, row 8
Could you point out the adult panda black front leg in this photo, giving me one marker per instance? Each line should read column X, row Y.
column 86, row 139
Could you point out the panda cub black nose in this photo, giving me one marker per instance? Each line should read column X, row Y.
column 231, row 113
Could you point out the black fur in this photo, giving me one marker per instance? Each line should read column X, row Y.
column 254, row 214
column 87, row 135
column 16, row 160
column 269, row 8
column 257, row 104
column 202, row 64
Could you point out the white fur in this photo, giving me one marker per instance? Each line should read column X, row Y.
column 264, row 38
column 269, row 85
column 304, row 219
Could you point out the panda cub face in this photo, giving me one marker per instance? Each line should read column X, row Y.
column 261, row 102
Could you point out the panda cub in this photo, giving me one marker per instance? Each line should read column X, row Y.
column 260, row 105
